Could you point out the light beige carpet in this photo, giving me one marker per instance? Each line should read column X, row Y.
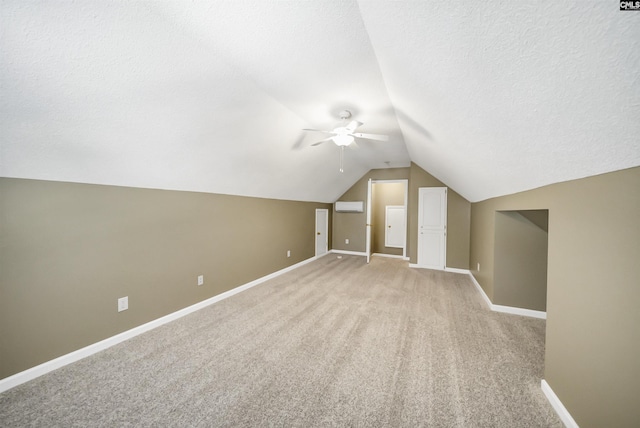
column 333, row 343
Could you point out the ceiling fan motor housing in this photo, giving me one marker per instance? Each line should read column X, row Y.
column 345, row 114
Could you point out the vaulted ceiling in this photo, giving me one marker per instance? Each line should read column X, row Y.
column 490, row 97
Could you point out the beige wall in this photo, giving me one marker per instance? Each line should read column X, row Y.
column 520, row 268
column 458, row 220
column 384, row 194
column 352, row 226
column 69, row 251
column 593, row 339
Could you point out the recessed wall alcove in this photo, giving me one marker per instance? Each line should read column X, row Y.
column 520, row 259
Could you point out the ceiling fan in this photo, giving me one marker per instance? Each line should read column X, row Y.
column 344, row 134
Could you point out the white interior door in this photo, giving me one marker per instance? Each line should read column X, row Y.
column 368, row 229
column 432, row 227
column 322, row 231
column 395, row 230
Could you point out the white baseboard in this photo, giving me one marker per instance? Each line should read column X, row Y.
column 482, row 293
column 446, row 269
column 557, row 405
column 350, row 253
column 363, row 254
column 417, row 266
column 457, row 270
column 519, row 311
column 507, row 309
column 72, row 357
column 391, row 256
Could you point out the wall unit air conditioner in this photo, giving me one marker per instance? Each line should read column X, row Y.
column 350, row 206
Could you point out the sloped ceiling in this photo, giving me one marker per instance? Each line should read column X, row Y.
column 212, row 96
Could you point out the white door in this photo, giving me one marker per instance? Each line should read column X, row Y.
column 395, row 230
column 322, row 231
column 368, row 227
column 432, row 227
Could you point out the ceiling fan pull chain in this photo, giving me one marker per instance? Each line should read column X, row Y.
column 341, row 158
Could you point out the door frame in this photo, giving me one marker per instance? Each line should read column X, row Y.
column 326, row 232
column 368, row 223
column 445, row 213
column 369, row 205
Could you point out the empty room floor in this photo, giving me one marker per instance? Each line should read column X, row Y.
column 335, row 342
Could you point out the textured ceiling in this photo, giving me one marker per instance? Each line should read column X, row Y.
column 211, row 96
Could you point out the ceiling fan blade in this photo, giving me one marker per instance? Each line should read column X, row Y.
column 377, row 137
column 322, row 141
column 318, row 130
column 351, row 126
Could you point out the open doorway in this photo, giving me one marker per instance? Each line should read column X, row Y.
column 389, row 218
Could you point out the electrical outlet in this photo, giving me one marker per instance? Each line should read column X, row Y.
column 478, row 267
column 123, row 303
column 288, row 253
column 200, row 279
column 346, row 241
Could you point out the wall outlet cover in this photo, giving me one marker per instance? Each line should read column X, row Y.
column 200, row 279
column 123, row 303
column 346, row 241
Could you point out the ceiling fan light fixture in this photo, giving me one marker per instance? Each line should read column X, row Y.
column 344, row 134
column 343, row 140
